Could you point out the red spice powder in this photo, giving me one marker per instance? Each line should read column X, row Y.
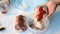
column 41, row 13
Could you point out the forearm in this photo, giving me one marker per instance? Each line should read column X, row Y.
column 56, row 1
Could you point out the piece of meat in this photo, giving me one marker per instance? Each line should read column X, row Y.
column 4, row 10
column 40, row 13
column 2, row 28
column 21, row 23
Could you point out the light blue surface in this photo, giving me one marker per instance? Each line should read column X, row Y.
column 31, row 4
column 55, row 19
column 54, row 27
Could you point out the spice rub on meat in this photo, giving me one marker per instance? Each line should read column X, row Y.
column 21, row 23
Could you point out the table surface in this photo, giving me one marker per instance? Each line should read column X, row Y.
column 29, row 5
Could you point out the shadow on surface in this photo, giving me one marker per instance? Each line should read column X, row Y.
column 54, row 23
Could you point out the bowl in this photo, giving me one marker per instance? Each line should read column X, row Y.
column 31, row 21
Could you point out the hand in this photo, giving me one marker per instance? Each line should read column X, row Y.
column 52, row 5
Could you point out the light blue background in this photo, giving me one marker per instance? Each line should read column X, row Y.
column 54, row 27
column 54, row 20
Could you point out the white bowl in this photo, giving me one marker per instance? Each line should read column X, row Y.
column 38, row 31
